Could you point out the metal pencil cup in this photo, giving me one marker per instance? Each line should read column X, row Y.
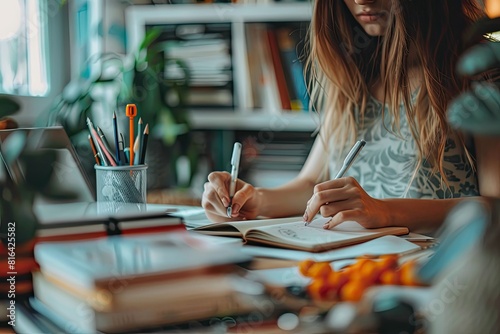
column 121, row 184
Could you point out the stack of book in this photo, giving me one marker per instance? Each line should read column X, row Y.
column 134, row 283
column 205, row 50
column 87, row 220
column 58, row 222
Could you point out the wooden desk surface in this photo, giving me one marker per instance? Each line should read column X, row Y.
column 173, row 196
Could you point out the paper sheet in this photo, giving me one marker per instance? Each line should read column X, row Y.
column 384, row 245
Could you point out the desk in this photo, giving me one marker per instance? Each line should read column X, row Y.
column 262, row 324
column 173, row 196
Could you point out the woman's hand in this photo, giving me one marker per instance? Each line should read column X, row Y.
column 344, row 199
column 216, row 198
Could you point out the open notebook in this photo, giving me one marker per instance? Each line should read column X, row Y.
column 291, row 233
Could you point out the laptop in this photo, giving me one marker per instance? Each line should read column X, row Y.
column 70, row 175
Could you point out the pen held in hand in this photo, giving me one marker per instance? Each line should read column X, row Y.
column 349, row 160
column 351, row 156
column 235, row 166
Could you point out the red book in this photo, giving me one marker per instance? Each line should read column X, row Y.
column 84, row 220
column 278, row 69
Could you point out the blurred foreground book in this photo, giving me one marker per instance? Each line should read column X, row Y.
column 120, row 283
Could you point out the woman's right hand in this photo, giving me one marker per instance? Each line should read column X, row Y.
column 215, row 199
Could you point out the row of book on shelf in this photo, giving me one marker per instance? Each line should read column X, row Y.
column 274, row 70
column 205, row 50
column 275, row 67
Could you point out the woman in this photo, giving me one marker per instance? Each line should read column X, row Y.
column 382, row 71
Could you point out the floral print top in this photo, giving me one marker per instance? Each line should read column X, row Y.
column 385, row 168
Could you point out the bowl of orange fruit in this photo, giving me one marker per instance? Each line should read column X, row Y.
column 350, row 282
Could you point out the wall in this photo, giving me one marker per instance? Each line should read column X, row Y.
column 59, row 65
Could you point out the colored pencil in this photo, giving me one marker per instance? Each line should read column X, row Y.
column 115, row 133
column 144, row 144
column 94, row 151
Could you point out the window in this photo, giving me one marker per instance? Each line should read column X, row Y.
column 23, row 47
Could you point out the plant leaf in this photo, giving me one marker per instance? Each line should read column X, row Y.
column 13, row 146
column 8, row 106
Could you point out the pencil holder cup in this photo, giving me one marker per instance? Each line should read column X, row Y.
column 121, row 184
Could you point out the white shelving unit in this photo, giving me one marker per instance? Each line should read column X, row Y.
column 241, row 118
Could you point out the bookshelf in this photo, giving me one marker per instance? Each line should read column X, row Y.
column 240, row 112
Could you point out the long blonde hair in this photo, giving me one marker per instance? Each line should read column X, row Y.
column 342, row 60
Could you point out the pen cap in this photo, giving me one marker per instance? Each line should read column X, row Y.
column 235, row 159
column 131, row 110
column 355, row 150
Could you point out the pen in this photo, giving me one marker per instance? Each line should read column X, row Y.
column 351, row 156
column 123, row 158
column 96, row 139
column 131, row 112
column 100, row 144
column 349, row 160
column 105, row 143
column 235, row 166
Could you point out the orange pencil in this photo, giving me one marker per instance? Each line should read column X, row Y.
column 131, row 112
column 92, row 146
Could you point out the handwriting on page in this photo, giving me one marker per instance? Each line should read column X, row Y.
column 314, row 232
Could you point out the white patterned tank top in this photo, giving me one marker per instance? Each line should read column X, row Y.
column 386, row 165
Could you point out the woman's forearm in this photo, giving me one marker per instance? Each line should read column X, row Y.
column 287, row 200
column 419, row 214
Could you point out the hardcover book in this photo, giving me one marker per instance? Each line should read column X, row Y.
column 99, row 263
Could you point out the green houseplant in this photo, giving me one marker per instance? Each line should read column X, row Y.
column 140, row 80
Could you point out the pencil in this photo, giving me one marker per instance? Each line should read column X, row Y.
column 105, row 144
column 144, row 145
column 99, row 144
column 92, row 146
column 137, row 143
column 95, row 137
column 131, row 112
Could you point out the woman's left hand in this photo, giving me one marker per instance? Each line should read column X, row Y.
column 345, row 200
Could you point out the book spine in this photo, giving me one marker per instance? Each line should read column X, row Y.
column 267, row 83
column 173, row 313
column 293, row 70
column 278, row 69
column 78, row 313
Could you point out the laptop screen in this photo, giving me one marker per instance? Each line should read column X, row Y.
column 68, row 173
